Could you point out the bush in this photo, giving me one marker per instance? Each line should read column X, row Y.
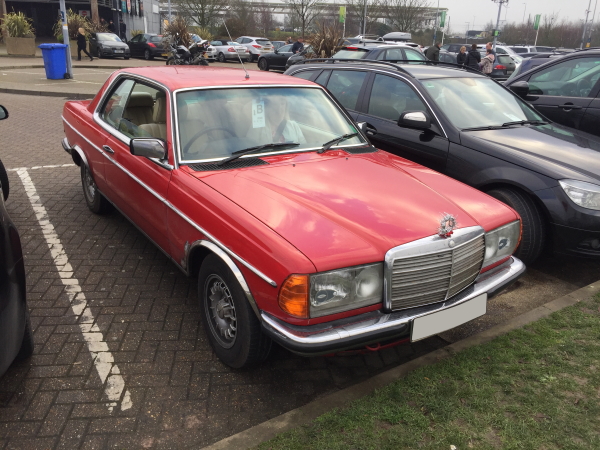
column 74, row 23
column 204, row 33
column 325, row 40
column 136, row 32
column 177, row 32
column 17, row 25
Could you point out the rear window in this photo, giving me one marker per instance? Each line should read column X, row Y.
column 357, row 53
column 155, row 38
column 520, row 50
column 263, row 42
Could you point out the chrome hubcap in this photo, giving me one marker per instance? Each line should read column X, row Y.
column 89, row 185
column 220, row 311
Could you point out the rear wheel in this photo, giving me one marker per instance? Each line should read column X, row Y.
column 232, row 328
column 263, row 64
column 26, row 349
column 93, row 198
column 148, row 55
column 4, row 181
column 534, row 227
column 221, row 57
column 99, row 53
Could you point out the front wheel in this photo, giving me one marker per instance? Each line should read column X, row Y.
column 263, row 64
column 534, row 227
column 4, row 181
column 26, row 349
column 93, row 198
column 99, row 53
column 232, row 328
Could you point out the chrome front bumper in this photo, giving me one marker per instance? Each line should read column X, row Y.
column 377, row 326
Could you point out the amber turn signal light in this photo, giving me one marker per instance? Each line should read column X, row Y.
column 293, row 296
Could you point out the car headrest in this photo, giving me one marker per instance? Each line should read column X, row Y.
column 190, row 111
column 160, row 108
column 140, row 99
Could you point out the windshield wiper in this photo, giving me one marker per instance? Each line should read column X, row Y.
column 525, row 122
column 245, row 151
column 487, row 127
column 327, row 145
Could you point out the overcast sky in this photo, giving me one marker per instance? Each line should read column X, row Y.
column 482, row 11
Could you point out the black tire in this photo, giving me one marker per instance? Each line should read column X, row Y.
column 263, row 64
column 26, row 349
column 170, row 61
column 534, row 226
column 234, row 333
column 93, row 198
column 221, row 57
column 148, row 55
column 99, row 53
column 4, row 181
column 126, row 57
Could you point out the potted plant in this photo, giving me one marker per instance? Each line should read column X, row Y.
column 20, row 35
column 74, row 23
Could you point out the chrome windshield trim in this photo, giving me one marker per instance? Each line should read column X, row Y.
column 175, row 210
column 372, row 324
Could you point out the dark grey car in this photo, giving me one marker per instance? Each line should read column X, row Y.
column 105, row 45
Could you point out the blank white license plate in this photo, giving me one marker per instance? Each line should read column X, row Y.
column 119, row 51
column 447, row 319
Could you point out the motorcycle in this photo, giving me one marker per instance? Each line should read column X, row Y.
column 180, row 55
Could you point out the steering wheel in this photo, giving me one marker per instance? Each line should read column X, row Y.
column 202, row 133
column 569, row 90
column 584, row 85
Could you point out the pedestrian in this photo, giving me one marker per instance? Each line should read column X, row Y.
column 461, row 58
column 487, row 62
column 298, row 46
column 111, row 26
column 81, row 45
column 123, row 30
column 489, row 46
column 433, row 52
column 103, row 23
column 289, row 40
column 473, row 58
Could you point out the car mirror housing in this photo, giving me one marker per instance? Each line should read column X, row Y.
column 148, row 147
column 3, row 113
column 362, row 126
column 415, row 119
column 521, row 88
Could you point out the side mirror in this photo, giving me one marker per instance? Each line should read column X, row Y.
column 148, row 147
column 521, row 88
column 3, row 113
column 415, row 119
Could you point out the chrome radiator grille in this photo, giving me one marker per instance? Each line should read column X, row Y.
column 434, row 277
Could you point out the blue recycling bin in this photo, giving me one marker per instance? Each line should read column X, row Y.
column 55, row 60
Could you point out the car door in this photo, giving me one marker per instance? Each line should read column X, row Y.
column 281, row 56
column 386, row 98
column 138, row 185
column 591, row 117
column 562, row 92
column 134, row 44
column 93, row 42
column 346, row 86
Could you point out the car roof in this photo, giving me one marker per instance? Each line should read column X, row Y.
column 181, row 77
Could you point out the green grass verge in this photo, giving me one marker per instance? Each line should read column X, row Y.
column 534, row 388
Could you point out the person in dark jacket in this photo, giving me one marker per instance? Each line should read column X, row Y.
column 111, row 26
column 123, row 31
column 298, row 46
column 81, row 45
column 473, row 57
column 433, row 52
column 461, row 58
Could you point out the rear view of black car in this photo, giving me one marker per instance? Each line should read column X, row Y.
column 16, row 339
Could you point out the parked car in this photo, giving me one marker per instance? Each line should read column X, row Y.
column 147, row 45
column 275, row 60
column 478, row 132
column 16, row 338
column 230, row 51
column 306, row 52
column 501, row 70
column 105, row 45
column 277, row 44
column 256, row 46
column 531, row 48
column 455, row 48
column 382, row 52
column 565, row 89
column 267, row 190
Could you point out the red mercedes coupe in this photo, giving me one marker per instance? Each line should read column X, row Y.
column 298, row 229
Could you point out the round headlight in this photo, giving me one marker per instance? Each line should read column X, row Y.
column 368, row 282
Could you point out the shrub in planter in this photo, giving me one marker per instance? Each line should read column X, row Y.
column 74, row 23
column 136, row 32
column 20, row 35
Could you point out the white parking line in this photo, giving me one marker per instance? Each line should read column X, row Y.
column 104, row 362
column 40, row 167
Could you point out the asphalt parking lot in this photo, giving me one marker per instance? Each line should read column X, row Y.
column 174, row 392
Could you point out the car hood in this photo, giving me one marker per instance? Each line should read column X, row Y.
column 552, row 150
column 111, row 44
column 343, row 210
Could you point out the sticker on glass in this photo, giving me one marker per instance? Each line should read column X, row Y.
column 258, row 113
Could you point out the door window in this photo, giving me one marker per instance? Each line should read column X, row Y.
column 305, row 74
column 285, row 48
column 345, row 86
column 136, row 38
column 322, row 79
column 393, row 54
column 572, row 78
column 112, row 111
column 390, row 97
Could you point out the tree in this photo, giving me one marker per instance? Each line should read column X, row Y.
column 306, row 11
column 204, row 13
column 264, row 20
column 405, row 15
column 356, row 13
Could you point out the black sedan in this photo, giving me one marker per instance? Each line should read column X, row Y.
column 565, row 89
column 16, row 338
column 147, row 45
column 275, row 60
column 108, row 45
column 471, row 128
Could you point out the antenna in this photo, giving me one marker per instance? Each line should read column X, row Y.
column 236, row 52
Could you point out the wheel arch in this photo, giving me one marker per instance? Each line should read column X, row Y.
column 199, row 250
column 78, row 156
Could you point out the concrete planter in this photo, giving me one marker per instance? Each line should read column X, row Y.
column 73, row 47
column 20, row 46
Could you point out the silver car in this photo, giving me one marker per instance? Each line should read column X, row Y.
column 256, row 45
column 228, row 50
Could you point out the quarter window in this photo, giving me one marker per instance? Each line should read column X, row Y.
column 112, row 111
column 345, row 86
column 390, row 97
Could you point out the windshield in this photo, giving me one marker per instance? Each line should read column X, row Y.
column 350, row 54
column 215, row 123
column 481, row 102
column 108, row 37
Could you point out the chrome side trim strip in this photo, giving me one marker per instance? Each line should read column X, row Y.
column 176, row 211
column 372, row 324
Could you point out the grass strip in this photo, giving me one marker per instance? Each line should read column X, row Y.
column 533, row 388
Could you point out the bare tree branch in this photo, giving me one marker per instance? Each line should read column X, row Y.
column 204, row 13
column 306, row 10
column 405, row 15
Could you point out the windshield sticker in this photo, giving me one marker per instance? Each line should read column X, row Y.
column 258, row 113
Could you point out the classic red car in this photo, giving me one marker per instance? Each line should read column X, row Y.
column 299, row 230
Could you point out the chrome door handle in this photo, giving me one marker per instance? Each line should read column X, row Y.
column 371, row 130
column 108, row 149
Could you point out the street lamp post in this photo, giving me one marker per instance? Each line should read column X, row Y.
column 500, row 2
column 587, row 13
column 524, row 11
column 467, row 32
column 437, row 13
